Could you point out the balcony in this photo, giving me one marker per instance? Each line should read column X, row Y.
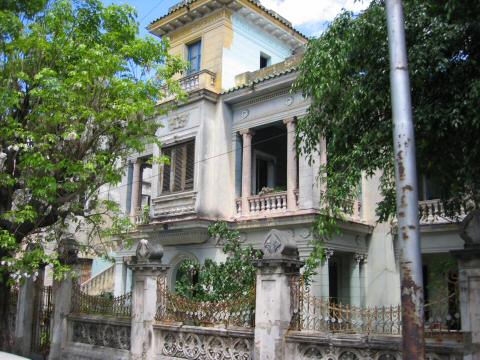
column 201, row 80
column 174, row 204
column 274, row 203
column 433, row 212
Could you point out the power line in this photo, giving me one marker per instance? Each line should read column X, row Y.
column 150, row 11
column 200, row 161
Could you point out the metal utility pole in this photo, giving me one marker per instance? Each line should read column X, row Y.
column 406, row 186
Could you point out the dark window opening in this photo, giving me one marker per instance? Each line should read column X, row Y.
column 177, row 175
column 264, row 61
column 269, row 159
column 333, row 280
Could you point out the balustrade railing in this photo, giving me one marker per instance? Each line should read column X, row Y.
column 433, row 211
column 238, row 311
column 274, row 202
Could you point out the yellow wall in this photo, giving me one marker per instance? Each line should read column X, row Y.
column 215, row 31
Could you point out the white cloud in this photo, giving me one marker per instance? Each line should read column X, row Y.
column 312, row 12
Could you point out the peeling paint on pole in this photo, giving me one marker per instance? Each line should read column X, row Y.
column 406, row 187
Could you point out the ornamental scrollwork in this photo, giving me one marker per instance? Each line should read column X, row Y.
column 193, row 346
column 108, row 335
column 331, row 352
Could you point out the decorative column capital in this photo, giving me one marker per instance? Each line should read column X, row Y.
column 246, row 132
column 290, row 120
column 279, row 249
column 148, row 258
column 359, row 257
column 328, row 253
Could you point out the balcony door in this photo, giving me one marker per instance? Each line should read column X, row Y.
column 194, row 57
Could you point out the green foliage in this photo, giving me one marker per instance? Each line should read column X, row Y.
column 345, row 73
column 213, row 281
column 78, row 91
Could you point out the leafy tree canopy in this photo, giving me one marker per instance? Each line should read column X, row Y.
column 76, row 94
column 345, row 73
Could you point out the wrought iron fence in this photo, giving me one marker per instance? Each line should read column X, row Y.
column 42, row 313
column 104, row 304
column 322, row 315
column 7, row 334
column 443, row 317
column 171, row 307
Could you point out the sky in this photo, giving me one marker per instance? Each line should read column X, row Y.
column 311, row 17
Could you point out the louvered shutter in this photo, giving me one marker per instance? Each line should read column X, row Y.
column 178, row 168
column 166, row 171
column 190, row 165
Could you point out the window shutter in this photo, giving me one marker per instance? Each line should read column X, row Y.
column 190, row 165
column 178, row 166
column 166, row 170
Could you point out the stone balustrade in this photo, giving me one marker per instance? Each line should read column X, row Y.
column 272, row 203
column 100, row 283
column 433, row 211
column 203, row 79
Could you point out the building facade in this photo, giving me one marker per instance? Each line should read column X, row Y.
column 232, row 157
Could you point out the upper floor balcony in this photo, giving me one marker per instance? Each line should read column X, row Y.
column 433, row 212
column 196, row 81
column 270, row 180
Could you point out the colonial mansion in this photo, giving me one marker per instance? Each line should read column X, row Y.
column 232, row 155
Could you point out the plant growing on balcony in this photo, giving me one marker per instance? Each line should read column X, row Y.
column 268, row 190
column 212, row 281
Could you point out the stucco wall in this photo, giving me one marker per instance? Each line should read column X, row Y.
column 243, row 54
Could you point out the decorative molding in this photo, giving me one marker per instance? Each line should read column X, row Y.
column 178, row 121
column 328, row 253
column 244, row 114
column 204, row 347
column 289, row 100
column 308, row 351
column 101, row 334
column 269, row 96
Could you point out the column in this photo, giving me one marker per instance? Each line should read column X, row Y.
column 147, row 267
column 469, row 284
column 323, row 163
column 273, row 310
column 291, row 165
column 120, row 277
column 326, row 274
column 363, row 281
column 321, row 282
column 24, row 318
column 246, row 169
column 136, row 187
column 62, row 295
column 355, row 283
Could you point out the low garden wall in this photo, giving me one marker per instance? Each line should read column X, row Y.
column 301, row 345
column 193, row 342
column 97, row 337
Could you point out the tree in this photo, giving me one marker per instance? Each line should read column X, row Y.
column 77, row 97
column 345, row 73
column 212, row 281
